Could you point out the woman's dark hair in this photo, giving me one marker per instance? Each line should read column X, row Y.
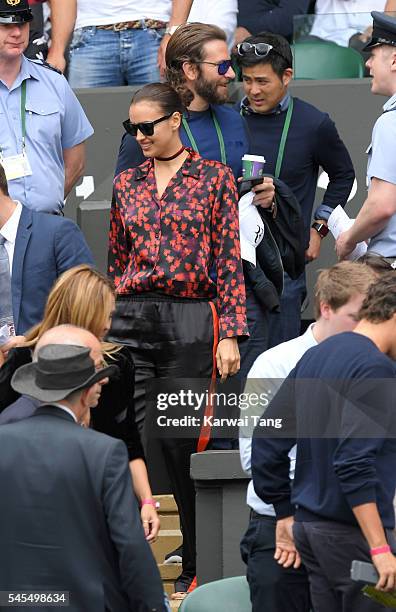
column 280, row 57
column 162, row 94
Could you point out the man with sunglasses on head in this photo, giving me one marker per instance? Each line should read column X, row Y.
column 296, row 139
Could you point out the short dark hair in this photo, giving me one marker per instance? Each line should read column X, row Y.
column 3, row 181
column 380, row 302
column 163, row 94
column 280, row 57
column 376, row 262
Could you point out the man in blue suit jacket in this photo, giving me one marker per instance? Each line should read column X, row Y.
column 40, row 247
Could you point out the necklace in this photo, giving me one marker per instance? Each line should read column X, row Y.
column 180, row 151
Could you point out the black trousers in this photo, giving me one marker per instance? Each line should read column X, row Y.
column 273, row 588
column 327, row 549
column 171, row 340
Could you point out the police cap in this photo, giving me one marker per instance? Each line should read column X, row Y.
column 15, row 11
column 384, row 30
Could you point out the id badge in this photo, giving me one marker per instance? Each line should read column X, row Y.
column 16, row 166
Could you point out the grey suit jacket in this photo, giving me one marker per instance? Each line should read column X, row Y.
column 68, row 517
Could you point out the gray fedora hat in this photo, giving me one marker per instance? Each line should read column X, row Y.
column 59, row 370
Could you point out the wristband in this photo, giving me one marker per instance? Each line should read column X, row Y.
column 380, row 550
column 150, row 502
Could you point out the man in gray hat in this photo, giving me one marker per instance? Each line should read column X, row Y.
column 376, row 221
column 66, row 334
column 69, row 523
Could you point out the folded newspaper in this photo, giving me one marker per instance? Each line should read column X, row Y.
column 338, row 223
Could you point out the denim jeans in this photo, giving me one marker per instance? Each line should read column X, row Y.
column 286, row 324
column 104, row 58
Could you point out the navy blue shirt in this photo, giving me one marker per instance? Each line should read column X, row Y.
column 233, row 128
column 339, row 406
column 312, row 142
column 274, row 16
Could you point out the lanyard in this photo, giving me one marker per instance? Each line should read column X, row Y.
column 218, row 132
column 23, row 116
column 23, row 112
column 283, row 139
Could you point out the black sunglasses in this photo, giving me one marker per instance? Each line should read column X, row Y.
column 260, row 49
column 145, row 127
column 222, row 67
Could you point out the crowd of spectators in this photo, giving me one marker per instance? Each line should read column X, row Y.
column 182, row 301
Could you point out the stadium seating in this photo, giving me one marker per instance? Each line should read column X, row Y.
column 317, row 60
column 233, row 593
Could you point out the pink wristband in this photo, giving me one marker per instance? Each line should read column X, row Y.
column 150, row 502
column 380, row 550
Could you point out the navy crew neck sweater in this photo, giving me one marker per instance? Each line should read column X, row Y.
column 348, row 385
column 312, row 142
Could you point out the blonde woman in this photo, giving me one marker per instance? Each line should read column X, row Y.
column 84, row 297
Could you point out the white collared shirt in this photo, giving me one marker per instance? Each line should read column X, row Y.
column 66, row 409
column 9, row 231
column 271, row 367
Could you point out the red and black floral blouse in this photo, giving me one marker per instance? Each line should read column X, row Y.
column 170, row 245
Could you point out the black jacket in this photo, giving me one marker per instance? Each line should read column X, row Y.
column 282, row 248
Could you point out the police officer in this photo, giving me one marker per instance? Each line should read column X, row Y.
column 376, row 220
column 43, row 127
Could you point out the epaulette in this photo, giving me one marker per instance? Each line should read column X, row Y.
column 45, row 65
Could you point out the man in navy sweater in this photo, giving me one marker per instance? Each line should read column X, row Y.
column 338, row 405
column 312, row 141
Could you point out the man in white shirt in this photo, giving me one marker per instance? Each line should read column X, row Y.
column 339, row 293
column 114, row 43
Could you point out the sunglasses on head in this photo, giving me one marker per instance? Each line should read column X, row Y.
column 145, row 127
column 222, row 67
column 259, row 49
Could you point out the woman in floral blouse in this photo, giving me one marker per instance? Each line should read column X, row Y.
column 174, row 255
